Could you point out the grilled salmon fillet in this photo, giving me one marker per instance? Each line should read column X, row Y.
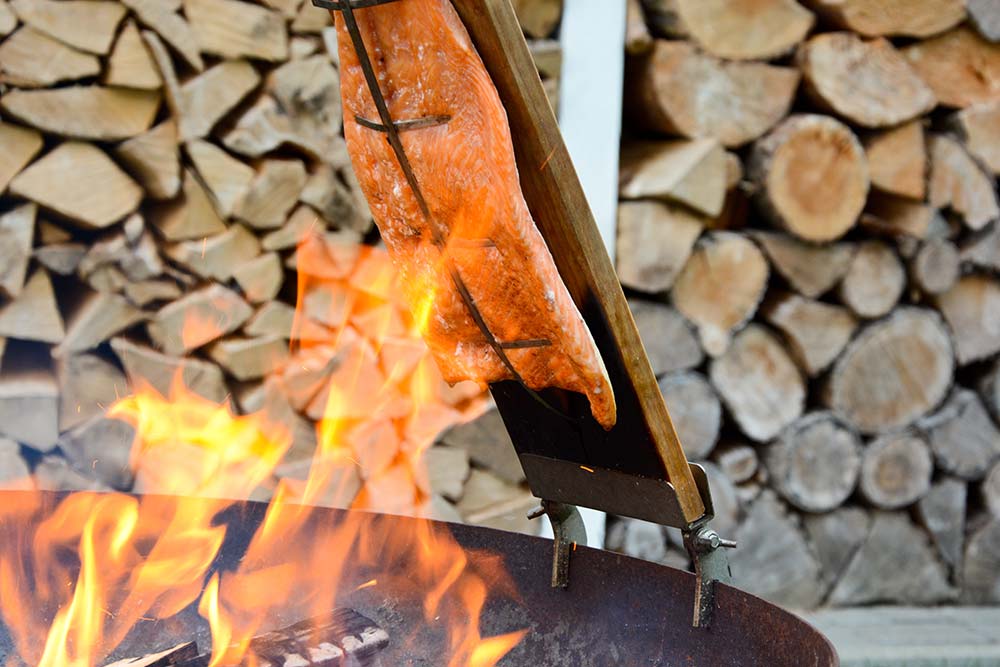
column 479, row 226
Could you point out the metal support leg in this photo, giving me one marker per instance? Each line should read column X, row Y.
column 711, row 565
column 568, row 531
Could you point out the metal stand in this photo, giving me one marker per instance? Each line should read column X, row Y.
column 710, row 566
column 568, row 531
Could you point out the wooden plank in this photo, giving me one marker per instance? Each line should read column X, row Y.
column 644, row 442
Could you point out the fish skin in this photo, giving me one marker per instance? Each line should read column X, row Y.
column 426, row 65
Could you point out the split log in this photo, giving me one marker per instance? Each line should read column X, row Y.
column 836, row 536
column 897, row 217
column 904, row 18
column 137, row 260
column 130, row 64
column 302, row 109
column 895, row 564
column 302, row 224
column 249, row 358
column 488, row 444
column 85, row 112
column 893, row 372
column 197, row 319
column 145, row 366
column 29, row 408
column 981, row 566
column 759, row 383
column 817, row 332
column 93, row 192
column 447, row 470
column 538, row 18
column 979, row 128
column 867, row 82
column 654, row 243
column 985, row 16
column 737, row 462
column 815, row 463
column 234, row 29
column 34, row 313
column 989, row 389
column 165, row 658
column 897, row 160
column 20, row 145
column 689, row 172
column 495, row 503
column 61, row 258
column 694, row 410
column 272, row 194
column 260, row 279
column 273, row 318
column 152, row 157
column 14, row 471
column 189, row 216
column 896, row 471
column 638, row 539
column 774, row 560
column 720, row 287
column 207, row 98
column 958, row 182
column 31, row 59
column 874, row 281
column 102, row 447
column 637, row 37
column 960, row 67
column 746, row 29
column 983, row 249
column 88, row 386
column 226, row 178
column 970, row 307
column 8, row 20
column 963, row 437
column 217, row 257
column 942, row 511
column 311, row 19
column 991, row 490
column 812, row 177
column 53, row 473
column 670, row 343
column 146, row 292
column 679, row 90
column 935, row 269
column 88, row 26
column 336, row 203
column 98, row 317
column 812, row 270
column 17, row 228
column 49, row 232
column 171, row 27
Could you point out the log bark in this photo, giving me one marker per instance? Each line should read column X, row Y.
column 904, row 18
column 759, row 384
column 956, row 181
column 960, row 67
column 867, row 82
column 655, row 241
column 88, row 26
column 812, row 177
column 970, row 308
column 896, row 471
column 815, row 463
column 894, row 372
column 979, row 128
column 936, row 267
column 93, row 191
column 817, row 332
column 17, row 229
column 985, row 16
column 963, row 437
column 678, row 90
column 720, row 287
column 897, row 160
column 874, row 282
column 989, row 389
column 812, row 270
column 694, row 410
column 942, row 512
column 165, row 658
column 669, row 340
column 689, row 172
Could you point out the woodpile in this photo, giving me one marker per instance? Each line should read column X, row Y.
column 809, row 210
column 173, row 178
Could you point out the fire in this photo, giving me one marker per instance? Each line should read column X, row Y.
column 78, row 575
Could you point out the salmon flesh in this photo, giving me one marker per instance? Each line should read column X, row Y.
column 479, row 229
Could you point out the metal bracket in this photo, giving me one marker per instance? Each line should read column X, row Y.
column 568, row 531
column 711, row 565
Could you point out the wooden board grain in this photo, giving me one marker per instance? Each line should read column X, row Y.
column 644, row 443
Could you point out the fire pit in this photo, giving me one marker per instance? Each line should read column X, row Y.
column 617, row 611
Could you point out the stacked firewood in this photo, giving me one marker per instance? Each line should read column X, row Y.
column 172, row 175
column 809, row 230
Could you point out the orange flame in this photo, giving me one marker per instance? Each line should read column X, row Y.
column 76, row 577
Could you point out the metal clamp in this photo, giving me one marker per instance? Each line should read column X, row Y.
column 568, row 531
column 711, row 565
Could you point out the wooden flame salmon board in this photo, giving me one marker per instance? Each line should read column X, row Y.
column 558, row 454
